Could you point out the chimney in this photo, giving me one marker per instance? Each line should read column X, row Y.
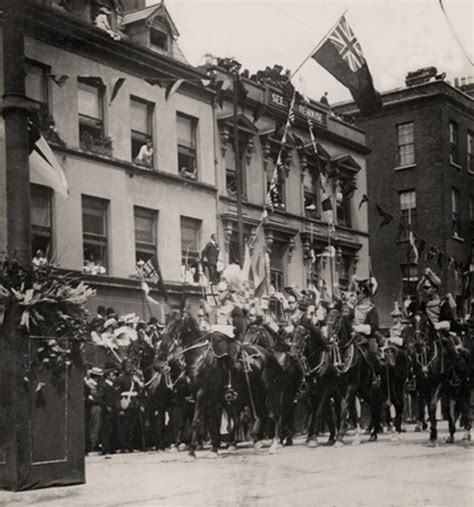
column 463, row 81
column 456, row 82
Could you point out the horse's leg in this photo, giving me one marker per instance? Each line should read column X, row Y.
column 311, row 413
column 465, row 409
column 347, row 400
column 275, row 405
column 398, row 403
column 322, row 413
column 434, row 398
column 196, row 425
column 214, row 413
column 376, row 404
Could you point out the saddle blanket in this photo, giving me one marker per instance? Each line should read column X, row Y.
column 224, row 329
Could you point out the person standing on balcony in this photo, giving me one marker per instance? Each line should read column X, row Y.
column 209, row 259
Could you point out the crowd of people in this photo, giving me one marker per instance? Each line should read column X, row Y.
column 123, row 413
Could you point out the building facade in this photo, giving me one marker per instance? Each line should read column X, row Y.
column 421, row 170
column 103, row 91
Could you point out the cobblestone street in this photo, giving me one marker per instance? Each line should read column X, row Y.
column 387, row 473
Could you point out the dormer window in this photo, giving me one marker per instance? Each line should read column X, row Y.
column 159, row 40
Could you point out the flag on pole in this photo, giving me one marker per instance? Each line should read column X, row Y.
column 341, row 55
column 146, row 291
column 326, row 204
column 363, row 200
column 151, row 270
column 116, row 88
column 386, row 217
column 44, row 164
column 411, row 239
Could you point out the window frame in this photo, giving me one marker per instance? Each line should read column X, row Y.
column 401, row 162
column 455, row 211
column 149, row 250
column 410, row 217
column 189, row 152
column 454, row 147
column 45, row 71
column 409, row 282
column 279, row 272
column 344, row 208
column 39, row 230
column 143, row 137
column 88, row 238
column 192, row 253
column 470, row 151
column 89, row 122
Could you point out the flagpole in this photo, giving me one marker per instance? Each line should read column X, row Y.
column 320, row 43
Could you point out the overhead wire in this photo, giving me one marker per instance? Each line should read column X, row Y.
column 468, row 58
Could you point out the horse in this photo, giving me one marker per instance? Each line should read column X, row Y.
column 394, row 379
column 221, row 371
column 356, row 378
column 322, row 378
column 441, row 373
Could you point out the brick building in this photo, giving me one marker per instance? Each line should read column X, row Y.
column 421, row 170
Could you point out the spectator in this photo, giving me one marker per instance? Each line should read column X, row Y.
column 107, row 398
column 39, row 259
column 145, row 155
column 324, row 99
column 102, row 22
column 209, row 258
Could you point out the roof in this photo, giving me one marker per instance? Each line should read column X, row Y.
column 148, row 14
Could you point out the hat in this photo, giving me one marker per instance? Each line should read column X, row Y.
column 95, row 370
column 396, row 312
column 432, row 277
column 110, row 322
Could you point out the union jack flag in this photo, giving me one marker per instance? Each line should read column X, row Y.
column 347, row 45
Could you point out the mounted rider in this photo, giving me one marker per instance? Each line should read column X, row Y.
column 365, row 322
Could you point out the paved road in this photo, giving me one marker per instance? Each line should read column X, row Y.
column 386, row 473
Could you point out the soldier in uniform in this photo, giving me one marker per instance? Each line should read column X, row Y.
column 366, row 324
column 396, row 330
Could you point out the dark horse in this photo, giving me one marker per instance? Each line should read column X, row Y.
column 221, row 371
column 441, row 373
column 356, row 378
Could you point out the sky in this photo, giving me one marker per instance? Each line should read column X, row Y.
column 396, row 36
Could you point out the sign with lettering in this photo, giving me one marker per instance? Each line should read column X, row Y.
column 303, row 109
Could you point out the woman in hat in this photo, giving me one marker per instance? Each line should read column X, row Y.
column 102, row 22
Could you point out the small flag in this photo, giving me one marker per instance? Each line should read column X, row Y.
column 149, row 271
column 363, row 200
column 411, row 239
column 146, row 291
column 386, row 217
column 326, row 204
column 172, row 87
column 116, row 88
column 341, row 55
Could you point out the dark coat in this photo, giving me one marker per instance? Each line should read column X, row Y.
column 210, row 254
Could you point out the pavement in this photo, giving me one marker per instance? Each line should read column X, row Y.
column 385, row 473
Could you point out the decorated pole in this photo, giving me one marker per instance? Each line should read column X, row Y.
column 238, row 171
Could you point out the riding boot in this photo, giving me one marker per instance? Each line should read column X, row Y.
column 375, row 361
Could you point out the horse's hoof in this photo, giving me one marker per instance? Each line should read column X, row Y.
column 313, row 443
column 467, row 436
column 449, row 439
column 232, row 447
column 212, row 455
column 417, row 428
column 199, row 447
column 273, row 449
column 432, row 443
column 339, row 444
column 173, row 449
column 288, row 442
column 258, row 445
column 373, row 438
column 182, row 447
column 395, row 437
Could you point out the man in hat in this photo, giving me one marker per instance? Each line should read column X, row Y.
column 366, row 323
column 439, row 312
column 396, row 329
column 210, row 257
column 102, row 22
column 93, row 411
column 107, row 398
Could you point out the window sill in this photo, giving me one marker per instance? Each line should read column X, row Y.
column 402, row 167
column 457, row 166
column 458, row 238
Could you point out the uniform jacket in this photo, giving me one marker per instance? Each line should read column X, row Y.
column 107, row 395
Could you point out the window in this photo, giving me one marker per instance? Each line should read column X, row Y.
column 470, row 152
column 94, row 234
column 41, row 219
column 186, row 130
column 141, row 119
column 407, row 213
column 145, row 233
column 278, row 194
column 159, row 40
column 310, row 205
column 455, row 211
column 36, row 83
column 343, row 205
column 344, row 267
column 409, row 279
column 277, row 266
column 454, row 143
column 231, row 182
column 90, row 106
column 471, row 208
column 190, row 237
column 406, row 144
